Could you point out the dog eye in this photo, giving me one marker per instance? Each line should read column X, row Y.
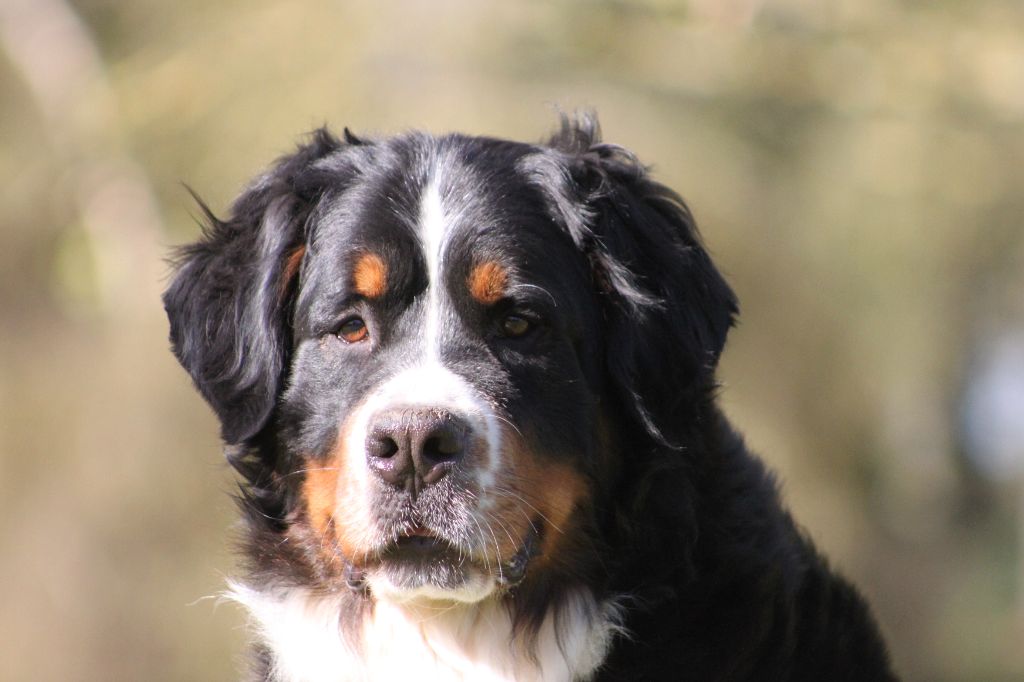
column 515, row 326
column 353, row 330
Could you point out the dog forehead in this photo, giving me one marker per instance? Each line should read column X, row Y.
column 454, row 211
column 485, row 209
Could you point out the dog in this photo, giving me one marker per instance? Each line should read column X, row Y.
column 469, row 387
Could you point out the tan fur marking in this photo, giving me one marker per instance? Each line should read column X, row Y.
column 350, row 533
column 291, row 268
column 563, row 491
column 553, row 490
column 325, row 490
column 320, row 490
column 487, row 282
column 370, row 276
column 355, row 551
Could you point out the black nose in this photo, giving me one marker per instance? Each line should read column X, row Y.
column 413, row 448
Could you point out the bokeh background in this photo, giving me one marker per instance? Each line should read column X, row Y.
column 855, row 165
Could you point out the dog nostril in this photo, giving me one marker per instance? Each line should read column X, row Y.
column 386, row 456
column 442, row 447
column 415, row 447
column 440, row 450
column 381, row 447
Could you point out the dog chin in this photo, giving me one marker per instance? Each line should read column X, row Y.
column 452, row 584
column 426, row 568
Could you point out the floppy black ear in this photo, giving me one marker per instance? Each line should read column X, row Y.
column 668, row 309
column 229, row 299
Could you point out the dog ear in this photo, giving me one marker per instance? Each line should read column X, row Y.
column 228, row 303
column 667, row 308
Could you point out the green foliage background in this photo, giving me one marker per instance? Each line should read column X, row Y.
column 855, row 167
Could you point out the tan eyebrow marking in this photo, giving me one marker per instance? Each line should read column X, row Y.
column 487, row 282
column 370, row 276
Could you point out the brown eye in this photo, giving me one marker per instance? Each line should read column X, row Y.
column 515, row 326
column 353, row 330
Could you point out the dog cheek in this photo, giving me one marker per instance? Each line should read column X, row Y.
column 319, row 491
column 548, row 491
column 335, row 505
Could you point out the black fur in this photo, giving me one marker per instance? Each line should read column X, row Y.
column 682, row 523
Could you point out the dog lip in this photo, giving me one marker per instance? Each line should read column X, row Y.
column 418, row 532
column 513, row 571
column 420, row 539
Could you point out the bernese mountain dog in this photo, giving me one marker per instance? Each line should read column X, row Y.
column 469, row 388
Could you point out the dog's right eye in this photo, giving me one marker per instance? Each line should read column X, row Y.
column 353, row 330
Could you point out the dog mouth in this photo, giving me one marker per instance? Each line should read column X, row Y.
column 421, row 544
column 419, row 538
column 421, row 558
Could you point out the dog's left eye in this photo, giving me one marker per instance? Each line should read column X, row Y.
column 515, row 326
column 353, row 330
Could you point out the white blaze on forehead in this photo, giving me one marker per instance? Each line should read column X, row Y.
column 431, row 383
column 435, row 226
column 425, row 381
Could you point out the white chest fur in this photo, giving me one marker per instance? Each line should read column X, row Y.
column 424, row 642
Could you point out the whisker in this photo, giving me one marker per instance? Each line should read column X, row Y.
column 505, row 491
column 308, row 469
column 539, row 288
column 497, row 551
column 512, row 542
column 509, row 422
column 323, row 535
column 483, row 542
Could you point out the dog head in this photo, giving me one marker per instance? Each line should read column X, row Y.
column 436, row 359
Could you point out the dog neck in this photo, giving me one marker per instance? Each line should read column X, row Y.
column 302, row 632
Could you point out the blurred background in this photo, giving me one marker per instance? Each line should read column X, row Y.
column 855, row 165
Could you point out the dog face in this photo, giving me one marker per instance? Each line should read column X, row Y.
column 438, row 391
column 429, row 353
